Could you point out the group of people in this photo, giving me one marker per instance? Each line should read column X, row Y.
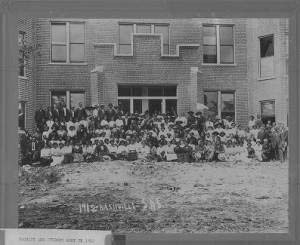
column 108, row 133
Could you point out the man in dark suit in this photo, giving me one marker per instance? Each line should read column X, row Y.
column 39, row 116
column 72, row 113
column 55, row 112
column 101, row 113
column 48, row 113
column 64, row 113
column 110, row 113
column 80, row 112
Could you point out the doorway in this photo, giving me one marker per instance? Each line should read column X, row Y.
column 155, row 106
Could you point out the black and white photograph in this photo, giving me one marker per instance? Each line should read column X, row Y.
column 153, row 125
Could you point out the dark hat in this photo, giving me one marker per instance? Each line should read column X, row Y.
column 190, row 112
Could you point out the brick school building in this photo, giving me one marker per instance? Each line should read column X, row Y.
column 159, row 65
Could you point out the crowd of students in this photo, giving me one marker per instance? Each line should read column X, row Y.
column 98, row 134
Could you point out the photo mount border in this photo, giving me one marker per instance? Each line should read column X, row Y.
column 170, row 9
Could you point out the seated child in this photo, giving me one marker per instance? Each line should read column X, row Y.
column 199, row 152
column 209, row 150
column 258, row 150
column 57, row 155
column 77, row 152
column 122, row 150
column 170, row 153
column 67, row 150
column 219, row 150
column 132, row 151
column 251, row 151
column 112, row 149
column 46, row 158
column 102, row 152
column 144, row 151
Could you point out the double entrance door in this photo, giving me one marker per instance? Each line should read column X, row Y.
column 155, row 100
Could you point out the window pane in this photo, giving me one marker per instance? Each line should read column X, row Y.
column 226, row 54
column 226, row 35
column 125, row 34
column 143, row 28
column 209, row 35
column 164, row 30
column 268, row 108
column 137, row 106
column 227, row 103
column 209, row 54
column 76, row 98
column 155, row 91
column 266, row 46
column 170, row 91
column 268, row 111
column 21, row 64
column 59, row 53
column 171, row 107
column 124, row 91
column 125, row 49
column 58, row 32
column 267, row 66
column 137, row 91
column 76, row 52
column 124, row 105
column 58, row 97
column 211, row 101
column 21, row 116
column 76, row 33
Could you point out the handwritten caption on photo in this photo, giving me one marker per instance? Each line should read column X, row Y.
column 145, row 204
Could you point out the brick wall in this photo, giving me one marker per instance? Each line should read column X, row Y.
column 275, row 88
column 26, row 84
column 146, row 66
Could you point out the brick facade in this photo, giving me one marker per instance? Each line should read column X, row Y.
column 276, row 87
column 26, row 83
column 103, row 70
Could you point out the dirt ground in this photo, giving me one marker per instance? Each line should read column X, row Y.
column 156, row 197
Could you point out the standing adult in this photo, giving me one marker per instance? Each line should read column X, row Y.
column 80, row 112
column 64, row 113
column 110, row 113
column 39, row 116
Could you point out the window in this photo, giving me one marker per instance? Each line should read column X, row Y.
column 21, row 117
column 67, row 42
column 126, row 30
column 267, row 111
column 22, row 58
column 220, row 103
column 70, row 98
column 218, row 44
column 266, row 68
column 164, row 30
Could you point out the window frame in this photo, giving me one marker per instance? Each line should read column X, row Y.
column 22, row 102
column 261, row 105
column 68, row 93
column 260, row 77
column 23, row 33
column 218, row 44
column 68, row 42
column 152, row 32
column 219, row 102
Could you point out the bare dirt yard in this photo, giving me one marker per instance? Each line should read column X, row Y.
column 156, row 197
